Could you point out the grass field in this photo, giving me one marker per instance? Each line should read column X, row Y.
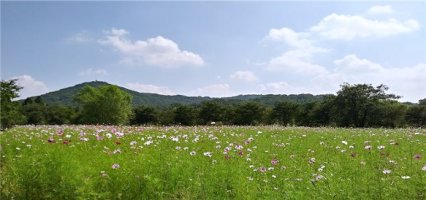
column 106, row 162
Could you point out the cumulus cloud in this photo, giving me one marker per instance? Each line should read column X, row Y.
column 290, row 37
column 214, row 90
column 31, row 87
column 348, row 27
column 244, row 76
column 380, row 10
column 405, row 81
column 148, row 88
column 93, row 72
column 157, row 51
column 296, row 62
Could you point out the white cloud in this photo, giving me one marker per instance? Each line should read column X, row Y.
column 148, row 88
column 348, row 27
column 290, row 37
column 93, row 72
column 157, row 51
column 244, row 76
column 296, row 62
column 380, row 10
column 215, row 90
column 408, row 82
column 31, row 87
column 79, row 38
column 351, row 64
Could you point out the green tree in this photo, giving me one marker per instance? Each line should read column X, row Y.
column 416, row 114
column 284, row 113
column 59, row 114
column 248, row 113
column 34, row 110
column 145, row 115
column 211, row 111
column 104, row 105
column 184, row 115
column 10, row 110
column 354, row 103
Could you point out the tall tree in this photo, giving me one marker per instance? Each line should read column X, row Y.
column 10, row 114
column 184, row 115
column 104, row 105
column 145, row 115
column 354, row 103
column 211, row 111
column 249, row 113
column 416, row 114
column 284, row 113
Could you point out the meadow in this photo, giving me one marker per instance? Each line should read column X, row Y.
column 212, row 162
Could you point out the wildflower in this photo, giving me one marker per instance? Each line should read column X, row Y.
column 115, row 166
column 387, row 171
column 368, row 147
column 262, row 169
column 274, row 161
column 98, row 137
column 417, row 157
column 117, row 151
column 68, row 136
column 380, row 147
column 321, row 143
column 424, row 168
column 241, row 153
column 209, row 154
column 318, row 177
column 344, row 142
column 178, row 148
column 362, row 162
column 273, row 176
column 311, row 160
column 148, row 142
column 405, row 177
column 51, row 140
column 192, row 153
column 84, row 139
column 132, row 143
column 17, row 148
column 239, row 147
column 250, row 178
column 66, row 141
column 392, row 162
column 108, row 135
column 351, row 147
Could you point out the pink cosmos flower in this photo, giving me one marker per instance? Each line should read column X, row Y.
column 262, row 169
column 274, row 161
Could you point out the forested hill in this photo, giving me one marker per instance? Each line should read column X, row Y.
column 65, row 97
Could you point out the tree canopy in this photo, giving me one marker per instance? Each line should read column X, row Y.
column 104, row 105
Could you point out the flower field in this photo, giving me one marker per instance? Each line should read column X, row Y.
column 212, row 162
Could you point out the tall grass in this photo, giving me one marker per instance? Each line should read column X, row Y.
column 106, row 162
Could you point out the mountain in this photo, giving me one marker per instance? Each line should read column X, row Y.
column 65, row 97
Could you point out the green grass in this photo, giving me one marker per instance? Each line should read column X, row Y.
column 33, row 168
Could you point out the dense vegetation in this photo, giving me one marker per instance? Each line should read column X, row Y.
column 274, row 162
column 359, row 105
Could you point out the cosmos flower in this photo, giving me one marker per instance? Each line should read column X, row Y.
column 262, row 169
column 368, row 147
column 274, row 161
column 208, row 154
column 311, row 160
column 417, row 157
column 344, row 142
column 115, row 166
column 387, row 171
column 192, row 153
column 405, row 177
column 380, row 147
column 51, row 140
column 424, row 168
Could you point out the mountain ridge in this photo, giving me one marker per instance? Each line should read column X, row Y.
column 65, row 96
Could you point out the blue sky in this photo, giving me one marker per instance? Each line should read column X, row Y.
column 216, row 48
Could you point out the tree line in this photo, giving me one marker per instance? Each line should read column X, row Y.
column 358, row 105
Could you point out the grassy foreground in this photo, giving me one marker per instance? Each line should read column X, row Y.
column 106, row 162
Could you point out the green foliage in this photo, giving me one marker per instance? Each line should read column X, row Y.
column 249, row 113
column 416, row 114
column 10, row 110
column 211, row 111
column 284, row 113
column 354, row 103
column 145, row 115
column 184, row 115
column 104, row 105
